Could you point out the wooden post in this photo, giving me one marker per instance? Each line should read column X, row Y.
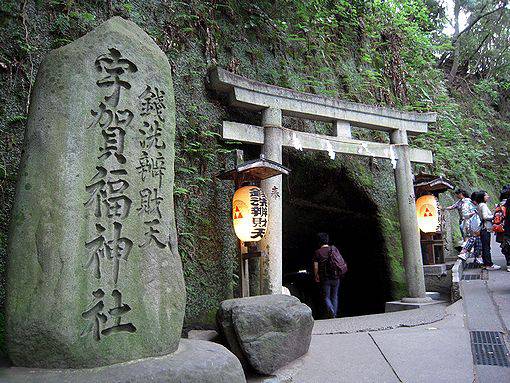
column 243, row 264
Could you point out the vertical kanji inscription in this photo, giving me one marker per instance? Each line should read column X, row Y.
column 151, row 167
column 108, row 194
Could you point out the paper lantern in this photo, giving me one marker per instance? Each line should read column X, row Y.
column 427, row 214
column 250, row 213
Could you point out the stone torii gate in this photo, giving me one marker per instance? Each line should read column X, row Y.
column 274, row 102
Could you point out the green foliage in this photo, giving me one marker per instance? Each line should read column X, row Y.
column 481, row 48
column 68, row 26
column 17, row 118
column 370, row 33
column 198, row 151
column 128, row 7
column 487, row 90
column 8, row 8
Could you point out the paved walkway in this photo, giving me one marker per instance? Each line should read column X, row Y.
column 378, row 322
column 430, row 345
column 432, row 352
column 486, row 303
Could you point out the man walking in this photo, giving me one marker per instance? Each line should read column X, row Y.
column 327, row 274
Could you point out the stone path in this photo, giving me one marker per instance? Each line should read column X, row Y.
column 377, row 322
column 487, row 306
column 432, row 344
column 429, row 352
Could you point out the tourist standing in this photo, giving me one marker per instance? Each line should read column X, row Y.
column 507, row 232
column 481, row 198
column 471, row 226
column 462, row 197
column 326, row 275
column 503, row 237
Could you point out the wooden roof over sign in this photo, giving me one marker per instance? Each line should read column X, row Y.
column 429, row 183
column 258, row 169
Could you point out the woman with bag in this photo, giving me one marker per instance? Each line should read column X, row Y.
column 486, row 217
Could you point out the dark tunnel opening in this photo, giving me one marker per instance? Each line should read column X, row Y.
column 319, row 198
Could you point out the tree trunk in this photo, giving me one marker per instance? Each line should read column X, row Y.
column 456, row 45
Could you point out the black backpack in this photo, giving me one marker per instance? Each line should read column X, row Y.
column 335, row 265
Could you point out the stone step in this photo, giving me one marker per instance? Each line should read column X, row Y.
column 399, row 305
column 434, row 295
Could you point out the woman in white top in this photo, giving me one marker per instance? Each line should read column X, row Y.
column 486, row 216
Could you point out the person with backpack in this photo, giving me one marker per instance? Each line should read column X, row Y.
column 328, row 267
column 471, row 227
column 506, row 226
column 501, row 224
column 481, row 198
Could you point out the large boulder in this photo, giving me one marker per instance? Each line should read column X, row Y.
column 195, row 361
column 266, row 331
column 95, row 276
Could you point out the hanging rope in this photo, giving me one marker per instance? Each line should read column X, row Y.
column 363, row 148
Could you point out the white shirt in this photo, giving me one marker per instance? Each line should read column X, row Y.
column 486, row 215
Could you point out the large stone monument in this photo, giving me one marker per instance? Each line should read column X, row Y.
column 94, row 275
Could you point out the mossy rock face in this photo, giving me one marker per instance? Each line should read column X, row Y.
column 95, row 276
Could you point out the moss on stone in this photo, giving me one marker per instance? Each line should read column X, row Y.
column 391, row 230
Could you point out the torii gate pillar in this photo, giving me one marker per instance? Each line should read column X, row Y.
column 413, row 263
column 271, row 244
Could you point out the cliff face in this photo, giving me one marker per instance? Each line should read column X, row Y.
column 365, row 52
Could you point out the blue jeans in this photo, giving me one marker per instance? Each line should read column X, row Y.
column 329, row 290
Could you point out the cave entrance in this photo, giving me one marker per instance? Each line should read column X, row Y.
column 324, row 199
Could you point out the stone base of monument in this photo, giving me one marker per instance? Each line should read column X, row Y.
column 432, row 298
column 194, row 361
column 266, row 332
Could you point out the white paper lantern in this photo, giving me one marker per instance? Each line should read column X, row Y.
column 250, row 213
column 427, row 213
